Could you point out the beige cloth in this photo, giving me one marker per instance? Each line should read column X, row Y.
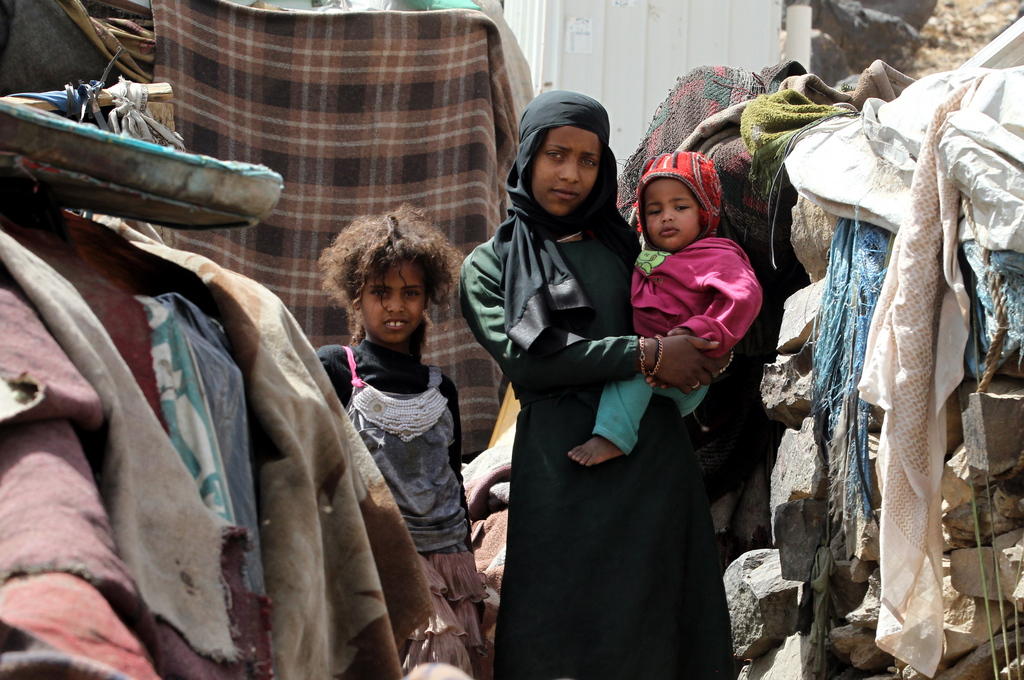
column 325, row 510
column 915, row 361
column 879, row 80
column 135, row 62
column 167, row 537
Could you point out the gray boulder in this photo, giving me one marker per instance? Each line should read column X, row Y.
column 763, row 606
column 978, row 664
column 991, row 427
column 866, row 614
column 798, row 528
column 799, row 471
column 866, row 34
column 856, row 646
column 828, row 61
column 791, row 661
column 813, row 228
column 914, row 12
column 786, row 387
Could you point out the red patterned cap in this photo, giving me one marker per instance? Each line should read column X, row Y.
column 698, row 173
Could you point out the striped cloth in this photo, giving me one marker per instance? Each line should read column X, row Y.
column 358, row 111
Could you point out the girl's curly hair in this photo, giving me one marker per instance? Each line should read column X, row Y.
column 368, row 247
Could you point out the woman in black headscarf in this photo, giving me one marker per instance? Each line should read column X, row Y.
column 611, row 571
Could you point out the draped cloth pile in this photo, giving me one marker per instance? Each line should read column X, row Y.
column 340, row 566
column 915, row 362
column 340, row 569
column 359, row 112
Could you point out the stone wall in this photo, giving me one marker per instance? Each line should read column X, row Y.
column 771, row 596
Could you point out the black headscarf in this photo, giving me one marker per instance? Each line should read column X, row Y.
column 543, row 299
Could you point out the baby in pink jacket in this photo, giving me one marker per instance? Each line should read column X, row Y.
column 686, row 282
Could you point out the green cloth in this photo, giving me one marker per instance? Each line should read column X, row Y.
column 611, row 571
column 768, row 123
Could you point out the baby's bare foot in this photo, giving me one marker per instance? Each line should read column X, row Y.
column 595, row 450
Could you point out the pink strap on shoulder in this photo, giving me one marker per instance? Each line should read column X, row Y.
column 356, row 380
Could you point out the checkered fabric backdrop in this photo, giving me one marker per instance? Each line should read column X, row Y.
column 358, row 111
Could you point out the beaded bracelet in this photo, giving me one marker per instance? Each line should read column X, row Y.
column 727, row 363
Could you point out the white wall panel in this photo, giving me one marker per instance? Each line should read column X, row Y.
column 636, row 49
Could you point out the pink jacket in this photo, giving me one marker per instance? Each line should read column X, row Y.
column 707, row 287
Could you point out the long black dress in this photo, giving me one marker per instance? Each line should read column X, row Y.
column 611, row 570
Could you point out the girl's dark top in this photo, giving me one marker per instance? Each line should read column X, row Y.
column 390, row 371
column 611, row 571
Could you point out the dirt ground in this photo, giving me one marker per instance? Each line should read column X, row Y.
column 957, row 30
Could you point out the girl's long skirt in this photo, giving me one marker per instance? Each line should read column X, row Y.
column 452, row 634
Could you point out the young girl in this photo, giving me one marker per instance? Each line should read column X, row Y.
column 385, row 269
column 687, row 282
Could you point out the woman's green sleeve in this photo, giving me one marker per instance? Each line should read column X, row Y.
column 582, row 363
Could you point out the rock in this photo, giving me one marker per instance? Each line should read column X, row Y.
column 1014, row 671
column 799, row 471
column 956, row 481
column 751, row 524
column 827, row 62
column 856, row 646
column 958, row 523
column 914, row 12
column 1008, row 498
column 967, row 575
column 991, row 427
column 910, row 674
column 812, row 230
column 791, row 661
column 800, row 311
column 797, row 529
column 978, row 664
column 866, row 613
column 862, row 537
column 723, row 509
column 763, row 606
column 966, row 622
column 847, row 594
column 954, row 421
column 857, row 674
column 876, row 492
column 861, row 570
column 866, row 34
column 786, row 387
column 958, row 476
column 875, row 418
